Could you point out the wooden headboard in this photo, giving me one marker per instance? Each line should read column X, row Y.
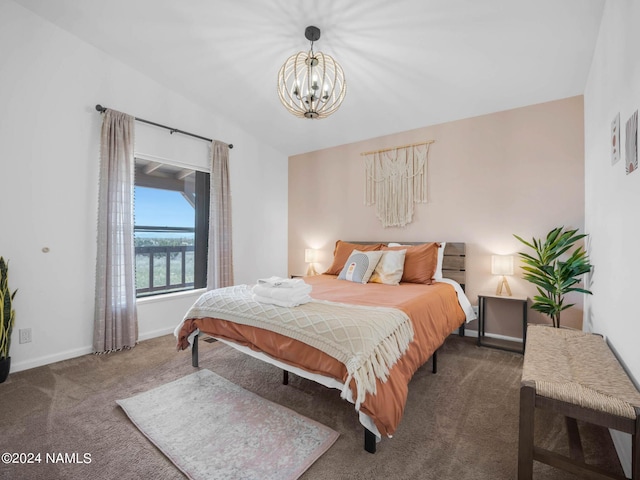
column 453, row 262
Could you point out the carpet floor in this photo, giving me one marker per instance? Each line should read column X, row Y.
column 460, row 424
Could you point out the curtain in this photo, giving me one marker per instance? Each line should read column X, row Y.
column 116, row 319
column 220, row 257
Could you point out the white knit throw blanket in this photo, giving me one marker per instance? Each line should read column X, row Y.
column 367, row 340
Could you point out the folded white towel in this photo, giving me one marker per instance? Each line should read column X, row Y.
column 279, row 282
column 283, row 294
column 283, row 303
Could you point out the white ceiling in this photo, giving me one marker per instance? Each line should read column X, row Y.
column 408, row 63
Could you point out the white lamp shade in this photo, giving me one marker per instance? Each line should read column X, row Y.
column 310, row 255
column 502, row 264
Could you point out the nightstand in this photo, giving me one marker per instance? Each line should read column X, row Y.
column 483, row 340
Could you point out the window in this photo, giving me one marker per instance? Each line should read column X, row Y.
column 171, row 211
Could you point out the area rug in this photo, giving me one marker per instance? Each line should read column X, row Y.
column 211, row 428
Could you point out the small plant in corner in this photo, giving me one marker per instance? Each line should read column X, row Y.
column 7, row 319
column 553, row 277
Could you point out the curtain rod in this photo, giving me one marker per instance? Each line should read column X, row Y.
column 172, row 130
column 395, row 148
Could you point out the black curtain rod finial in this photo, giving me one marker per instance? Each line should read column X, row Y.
column 100, row 108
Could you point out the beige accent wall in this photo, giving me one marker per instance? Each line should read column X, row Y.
column 518, row 171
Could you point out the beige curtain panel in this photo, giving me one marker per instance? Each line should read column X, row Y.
column 220, row 256
column 116, row 320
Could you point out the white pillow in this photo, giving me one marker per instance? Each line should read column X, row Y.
column 390, row 267
column 359, row 266
column 438, row 274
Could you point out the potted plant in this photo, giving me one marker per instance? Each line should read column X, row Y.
column 553, row 277
column 7, row 319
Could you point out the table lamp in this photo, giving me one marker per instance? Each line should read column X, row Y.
column 502, row 265
column 310, row 257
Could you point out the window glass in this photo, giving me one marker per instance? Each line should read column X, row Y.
column 169, row 231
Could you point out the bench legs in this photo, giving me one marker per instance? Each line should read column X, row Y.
column 575, row 444
column 525, row 435
column 575, row 462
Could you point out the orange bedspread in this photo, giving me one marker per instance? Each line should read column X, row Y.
column 434, row 311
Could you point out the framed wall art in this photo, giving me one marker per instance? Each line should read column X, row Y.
column 615, row 139
column 631, row 143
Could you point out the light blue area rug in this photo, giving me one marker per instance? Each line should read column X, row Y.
column 211, row 428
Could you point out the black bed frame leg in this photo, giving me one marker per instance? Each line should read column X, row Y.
column 285, row 377
column 461, row 330
column 434, row 358
column 369, row 441
column 194, row 352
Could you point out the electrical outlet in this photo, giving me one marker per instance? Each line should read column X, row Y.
column 25, row 335
column 475, row 309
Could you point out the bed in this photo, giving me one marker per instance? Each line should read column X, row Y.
column 430, row 310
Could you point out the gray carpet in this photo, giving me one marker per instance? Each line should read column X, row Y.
column 460, row 424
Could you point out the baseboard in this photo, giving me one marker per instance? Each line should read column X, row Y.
column 470, row 333
column 474, row 334
column 156, row 333
column 622, row 442
column 48, row 359
column 78, row 352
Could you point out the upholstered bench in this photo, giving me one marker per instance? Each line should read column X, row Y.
column 574, row 374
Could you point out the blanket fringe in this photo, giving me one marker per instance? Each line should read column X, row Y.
column 378, row 365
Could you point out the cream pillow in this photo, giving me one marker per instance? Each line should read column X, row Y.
column 359, row 266
column 390, row 267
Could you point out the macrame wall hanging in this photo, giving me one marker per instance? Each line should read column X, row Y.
column 395, row 179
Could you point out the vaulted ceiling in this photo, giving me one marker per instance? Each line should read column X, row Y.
column 408, row 63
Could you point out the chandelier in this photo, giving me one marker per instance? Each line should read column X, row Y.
column 311, row 84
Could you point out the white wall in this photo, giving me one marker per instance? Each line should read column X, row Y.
column 50, row 82
column 612, row 198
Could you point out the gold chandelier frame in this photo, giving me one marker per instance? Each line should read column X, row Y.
column 311, row 84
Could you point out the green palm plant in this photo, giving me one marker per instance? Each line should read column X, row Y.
column 553, row 277
column 7, row 313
